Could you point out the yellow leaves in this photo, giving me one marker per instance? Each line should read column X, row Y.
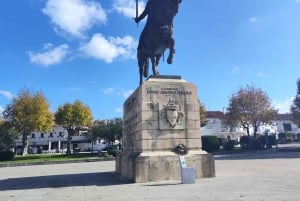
column 29, row 111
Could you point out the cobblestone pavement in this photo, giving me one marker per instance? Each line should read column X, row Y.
column 262, row 176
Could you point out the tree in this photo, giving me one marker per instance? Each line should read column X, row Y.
column 202, row 115
column 73, row 117
column 110, row 130
column 7, row 136
column 250, row 107
column 29, row 112
column 295, row 108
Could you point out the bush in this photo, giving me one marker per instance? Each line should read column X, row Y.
column 6, row 155
column 289, row 137
column 113, row 152
column 259, row 142
column 282, row 137
column 272, row 141
column 245, row 142
column 229, row 146
column 105, row 155
column 210, row 143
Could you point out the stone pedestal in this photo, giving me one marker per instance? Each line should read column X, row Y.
column 161, row 114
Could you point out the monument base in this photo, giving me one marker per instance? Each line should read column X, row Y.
column 153, row 167
column 162, row 121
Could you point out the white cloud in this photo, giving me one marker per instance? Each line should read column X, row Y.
column 109, row 91
column 260, row 74
column 74, row 16
column 235, row 70
column 283, row 106
column 108, row 49
column 253, row 19
column 128, row 7
column 119, row 110
column 118, row 92
column 6, row 94
column 50, row 55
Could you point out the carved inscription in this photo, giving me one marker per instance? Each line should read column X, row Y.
column 168, row 91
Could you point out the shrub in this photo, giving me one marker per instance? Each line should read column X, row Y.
column 6, row 155
column 210, row 143
column 272, row 140
column 105, row 154
column 289, row 137
column 281, row 137
column 245, row 142
column 113, row 152
column 259, row 142
column 229, row 146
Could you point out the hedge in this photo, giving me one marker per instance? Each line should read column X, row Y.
column 6, row 155
column 210, row 143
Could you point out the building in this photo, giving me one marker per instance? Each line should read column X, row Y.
column 214, row 126
column 55, row 141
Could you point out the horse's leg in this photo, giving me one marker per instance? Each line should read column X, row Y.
column 158, row 56
column 141, row 64
column 146, row 67
column 141, row 74
column 154, row 66
column 172, row 51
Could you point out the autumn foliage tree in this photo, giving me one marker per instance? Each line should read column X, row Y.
column 295, row 108
column 73, row 117
column 202, row 115
column 28, row 112
column 250, row 107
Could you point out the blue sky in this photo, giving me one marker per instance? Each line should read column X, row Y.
column 85, row 50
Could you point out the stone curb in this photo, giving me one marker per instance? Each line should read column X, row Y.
column 57, row 162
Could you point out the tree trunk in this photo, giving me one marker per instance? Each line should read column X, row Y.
column 255, row 131
column 248, row 131
column 69, row 145
column 25, row 145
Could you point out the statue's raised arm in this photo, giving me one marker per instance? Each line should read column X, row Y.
column 157, row 35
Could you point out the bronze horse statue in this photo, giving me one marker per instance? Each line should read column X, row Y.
column 157, row 35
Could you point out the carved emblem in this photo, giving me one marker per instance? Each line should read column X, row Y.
column 171, row 114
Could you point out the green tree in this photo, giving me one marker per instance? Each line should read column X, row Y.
column 73, row 117
column 110, row 130
column 295, row 108
column 7, row 136
column 29, row 112
column 250, row 107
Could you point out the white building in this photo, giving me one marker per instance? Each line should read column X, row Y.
column 56, row 141
column 214, row 126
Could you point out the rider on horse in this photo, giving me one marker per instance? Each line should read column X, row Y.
column 142, row 16
column 157, row 34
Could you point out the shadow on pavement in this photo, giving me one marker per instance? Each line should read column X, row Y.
column 271, row 154
column 58, row 181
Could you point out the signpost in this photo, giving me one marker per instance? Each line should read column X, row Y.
column 187, row 173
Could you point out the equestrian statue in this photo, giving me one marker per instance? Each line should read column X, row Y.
column 157, row 35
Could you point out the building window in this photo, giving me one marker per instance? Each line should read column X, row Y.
column 287, row 127
column 32, row 135
column 209, row 125
column 51, row 134
column 42, row 135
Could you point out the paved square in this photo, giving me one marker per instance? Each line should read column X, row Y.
column 265, row 176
